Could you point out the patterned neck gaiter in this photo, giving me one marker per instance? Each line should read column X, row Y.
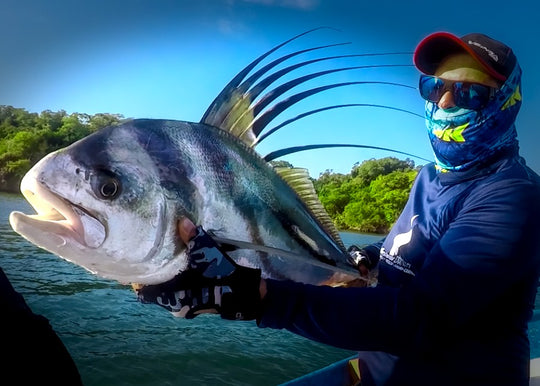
column 462, row 138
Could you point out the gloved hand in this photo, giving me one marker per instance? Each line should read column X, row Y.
column 213, row 283
column 186, row 295
column 360, row 258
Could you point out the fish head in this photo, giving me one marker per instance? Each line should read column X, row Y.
column 101, row 206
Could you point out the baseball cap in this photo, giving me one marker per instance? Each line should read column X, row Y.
column 496, row 58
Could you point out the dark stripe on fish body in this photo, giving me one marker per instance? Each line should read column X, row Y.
column 97, row 156
column 170, row 162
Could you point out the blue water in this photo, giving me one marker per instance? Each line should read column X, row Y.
column 117, row 341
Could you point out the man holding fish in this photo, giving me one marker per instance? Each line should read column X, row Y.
column 458, row 272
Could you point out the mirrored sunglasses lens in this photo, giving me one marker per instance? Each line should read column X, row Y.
column 470, row 95
column 431, row 88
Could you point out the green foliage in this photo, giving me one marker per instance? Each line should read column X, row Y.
column 371, row 197
column 332, row 196
column 26, row 137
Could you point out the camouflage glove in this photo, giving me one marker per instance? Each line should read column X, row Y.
column 186, row 295
column 212, row 283
column 240, row 297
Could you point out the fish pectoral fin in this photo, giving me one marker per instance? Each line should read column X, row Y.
column 280, row 253
column 233, row 245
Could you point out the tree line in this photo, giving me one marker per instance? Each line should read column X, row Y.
column 368, row 199
column 371, row 197
column 27, row 137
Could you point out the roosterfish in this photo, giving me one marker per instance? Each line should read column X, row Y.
column 110, row 201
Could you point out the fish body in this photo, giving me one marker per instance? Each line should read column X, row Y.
column 110, row 203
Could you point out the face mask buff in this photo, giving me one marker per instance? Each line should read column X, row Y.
column 463, row 138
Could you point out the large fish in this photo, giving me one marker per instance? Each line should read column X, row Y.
column 110, row 202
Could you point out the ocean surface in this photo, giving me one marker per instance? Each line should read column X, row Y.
column 115, row 340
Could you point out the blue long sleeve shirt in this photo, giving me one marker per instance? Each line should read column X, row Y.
column 458, row 275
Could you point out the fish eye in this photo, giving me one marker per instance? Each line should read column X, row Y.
column 106, row 185
column 109, row 189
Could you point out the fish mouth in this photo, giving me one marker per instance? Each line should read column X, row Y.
column 57, row 219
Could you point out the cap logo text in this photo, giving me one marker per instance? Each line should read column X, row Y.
column 492, row 54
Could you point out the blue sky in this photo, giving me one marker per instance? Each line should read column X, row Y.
column 169, row 59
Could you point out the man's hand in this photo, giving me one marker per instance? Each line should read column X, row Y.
column 360, row 259
column 186, row 295
column 212, row 283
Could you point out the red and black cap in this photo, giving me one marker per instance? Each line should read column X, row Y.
column 497, row 58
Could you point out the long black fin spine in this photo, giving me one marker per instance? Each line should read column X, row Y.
column 260, row 138
column 222, row 97
column 248, row 92
column 295, row 149
column 253, row 110
column 258, row 124
column 249, row 82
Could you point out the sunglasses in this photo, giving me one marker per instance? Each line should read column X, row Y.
column 466, row 95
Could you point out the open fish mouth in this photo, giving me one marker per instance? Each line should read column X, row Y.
column 57, row 220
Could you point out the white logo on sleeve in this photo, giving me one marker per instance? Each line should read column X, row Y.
column 393, row 258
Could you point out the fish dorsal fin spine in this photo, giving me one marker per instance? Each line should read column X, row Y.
column 298, row 179
column 239, row 117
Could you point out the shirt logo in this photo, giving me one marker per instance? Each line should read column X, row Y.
column 393, row 258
